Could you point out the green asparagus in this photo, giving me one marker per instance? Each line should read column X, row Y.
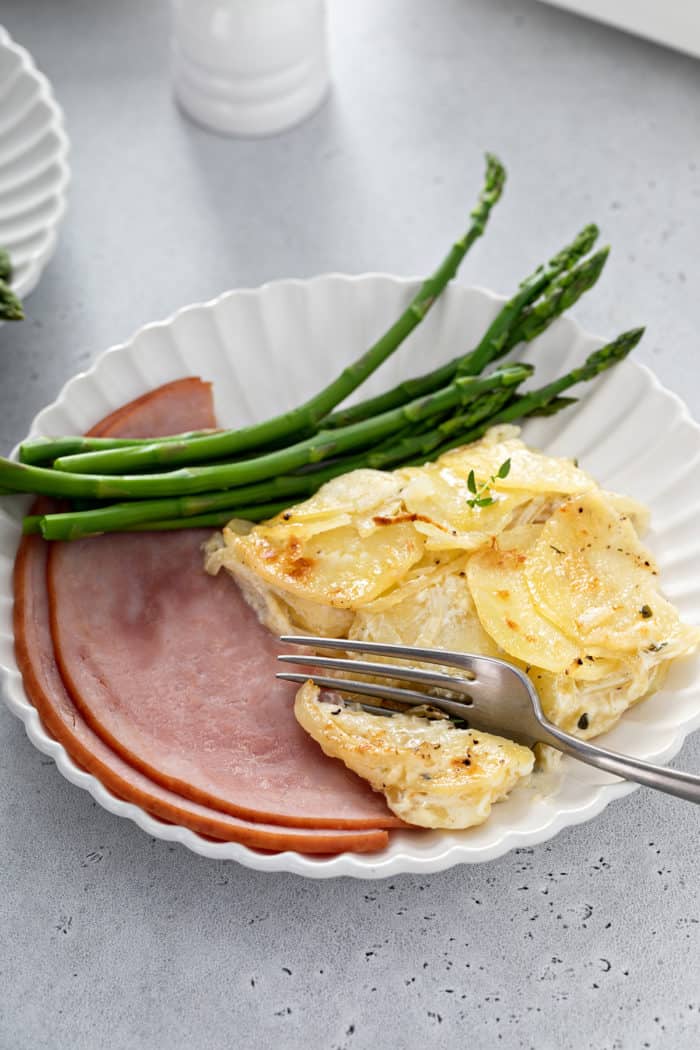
column 563, row 292
column 46, row 449
column 542, row 400
column 51, row 527
column 303, row 419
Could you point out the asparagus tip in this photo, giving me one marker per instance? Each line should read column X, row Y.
column 494, row 181
column 610, row 354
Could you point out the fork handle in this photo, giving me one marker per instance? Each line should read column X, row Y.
column 672, row 781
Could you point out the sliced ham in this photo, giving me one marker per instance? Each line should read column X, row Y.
column 44, row 686
column 172, row 669
column 174, row 408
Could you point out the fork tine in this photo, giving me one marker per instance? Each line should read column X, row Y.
column 402, row 674
column 385, row 692
column 371, row 709
column 464, row 661
column 347, row 685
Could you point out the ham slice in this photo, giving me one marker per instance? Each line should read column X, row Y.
column 189, row 687
column 174, row 408
column 63, row 721
column 173, row 669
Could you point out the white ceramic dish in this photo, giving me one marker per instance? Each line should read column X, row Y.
column 33, row 165
column 675, row 23
column 268, row 348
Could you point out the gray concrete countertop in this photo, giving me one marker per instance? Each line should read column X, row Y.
column 111, row 939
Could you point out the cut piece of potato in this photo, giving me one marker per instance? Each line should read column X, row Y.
column 508, row 613
column 338, row 567
column 589, row 574
column 281, row 613
column 432, row 774
column 439, row 540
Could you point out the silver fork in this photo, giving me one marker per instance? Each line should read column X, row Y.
column 493, row 696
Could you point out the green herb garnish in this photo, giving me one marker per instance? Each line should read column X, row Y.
column 480, row 497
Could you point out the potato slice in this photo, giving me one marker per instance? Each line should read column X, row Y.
column 355, row 493
column 437, row 614
column 530, row 470
column 277, row 530
column 589, row 708
column 589, row 574
column 441, row 497
column 635, row 511
column 424, row 573
column 521, row 538
column 508, row 613
column 338, row 568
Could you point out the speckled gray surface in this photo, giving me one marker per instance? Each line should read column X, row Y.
column 109, row 939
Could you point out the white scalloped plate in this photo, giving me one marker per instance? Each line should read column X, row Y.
column 33, row 165
column 267, row 349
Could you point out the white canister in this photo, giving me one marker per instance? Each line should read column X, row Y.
column 249, row 67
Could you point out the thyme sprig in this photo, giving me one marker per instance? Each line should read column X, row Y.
column 480, row 493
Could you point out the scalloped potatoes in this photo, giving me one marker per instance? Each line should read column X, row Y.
column 547, row 572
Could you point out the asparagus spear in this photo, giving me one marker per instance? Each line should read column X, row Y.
column 118, row 517
column 46, row 449
column 61, row 527
column 562, row 291
column 423, row 445
column 459, row 430
column 554, row 406
column 10, row 306
column 21, row 477
column 563, row 294
column 545, row 400
column 215, row 520
column 303, row 419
